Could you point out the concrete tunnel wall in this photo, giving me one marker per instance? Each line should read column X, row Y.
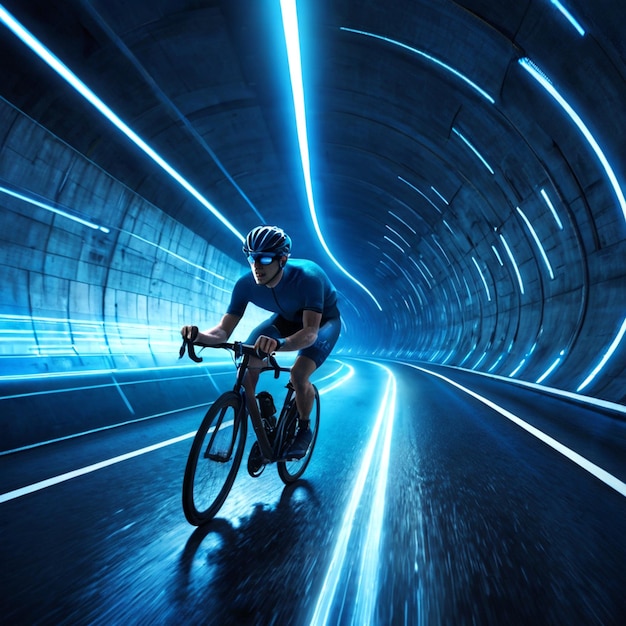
column 78, row 299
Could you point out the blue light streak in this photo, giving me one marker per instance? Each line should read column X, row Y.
column 604, row 360
column 551, row 368
column 547, row 200
column 62, row 70
column 421, row 193
column 52, row 209
column 292, row 40
column 542, row 79
column 512, row 258
column 569, row 17
column 483, row 278
column 471, row 146
column 428, row 57
column 537, row 242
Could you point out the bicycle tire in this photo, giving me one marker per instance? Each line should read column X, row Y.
column 290, row 471
column 214, row 459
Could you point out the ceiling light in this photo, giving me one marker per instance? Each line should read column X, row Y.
column 62, row 70
column 545, row 82
column 292, row 40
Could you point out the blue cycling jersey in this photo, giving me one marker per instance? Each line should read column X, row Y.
column 303, row 286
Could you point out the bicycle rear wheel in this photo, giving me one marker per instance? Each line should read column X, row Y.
column 214, row 459
column 290, row 471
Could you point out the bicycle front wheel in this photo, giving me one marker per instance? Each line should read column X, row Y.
column 214, row 459
column 290, row 471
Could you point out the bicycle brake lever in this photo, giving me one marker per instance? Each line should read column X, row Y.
column 274, row 363
column 190, row 351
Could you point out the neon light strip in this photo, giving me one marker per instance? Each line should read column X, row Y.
column 53, row 62
column 541, row 78
column 608, row 354
column 552, row 209
column 592, row 468
column 483, row 278
column 52, row 209
column 508, row 251
column 292, row 40
column 397, row 234
column 442, row 198
column 421, row 193
column 569, row 17
column 394, row 243
column 551, row 368
column 428, row 57
column 469, row 144
column 537, row 241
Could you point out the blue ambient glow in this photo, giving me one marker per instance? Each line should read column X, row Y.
column 512, row 258
column 469, row 144
column 537, row 241
column 569, row 17
column 292, row 41
column 62, row 70
column 542, row 79
column 607, row 355
column 547, row 200
column 428, row 57
column 398, row 235
column 402, row 222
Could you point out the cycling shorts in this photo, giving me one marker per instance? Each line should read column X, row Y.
column 277, row 327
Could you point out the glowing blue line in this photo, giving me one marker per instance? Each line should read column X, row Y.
column 52, row 209
column 570, row 18
column 608, row 354
column 469, row 144
column 483, row 278
column 510, row 253
column 327, row 595
column 518, row 368
column 421, row 193
column 551, row 368
column 442, row 198
column 541, row 78
column 292, row 40
column 495, row 251
column 537, row 241
column 547, row 200
column 430, row 58
column 60, row 68
column 393, row 242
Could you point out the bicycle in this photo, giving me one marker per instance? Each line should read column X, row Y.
column 218, row 446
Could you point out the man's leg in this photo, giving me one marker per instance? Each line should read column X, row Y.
column 301, row 372
column 249, row 384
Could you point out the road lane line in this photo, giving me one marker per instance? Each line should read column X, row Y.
column 581, row 461
column 329, row 591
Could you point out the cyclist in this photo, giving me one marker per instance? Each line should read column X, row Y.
column 306, row 318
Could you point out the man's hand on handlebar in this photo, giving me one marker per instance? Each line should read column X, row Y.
column 265, row 345
column 190, row 333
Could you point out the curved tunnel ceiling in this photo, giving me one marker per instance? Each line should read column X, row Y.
column 467, row 158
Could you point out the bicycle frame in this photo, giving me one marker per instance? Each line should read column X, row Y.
column 266, row 447
column 245, row 353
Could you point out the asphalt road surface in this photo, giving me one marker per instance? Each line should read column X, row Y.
column 423, row 504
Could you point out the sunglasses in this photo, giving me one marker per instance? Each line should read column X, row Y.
column 263, row 259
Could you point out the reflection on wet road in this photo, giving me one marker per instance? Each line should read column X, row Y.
column 422, row 505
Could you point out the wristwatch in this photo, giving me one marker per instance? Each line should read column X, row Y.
column 280, row 341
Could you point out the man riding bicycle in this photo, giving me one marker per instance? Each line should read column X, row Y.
column 306, row 318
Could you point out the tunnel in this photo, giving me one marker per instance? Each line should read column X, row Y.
column 456, row 167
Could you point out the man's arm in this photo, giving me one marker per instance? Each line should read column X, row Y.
column 300, row 339
column 215, row 335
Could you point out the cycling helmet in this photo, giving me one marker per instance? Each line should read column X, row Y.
column 268, row 239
